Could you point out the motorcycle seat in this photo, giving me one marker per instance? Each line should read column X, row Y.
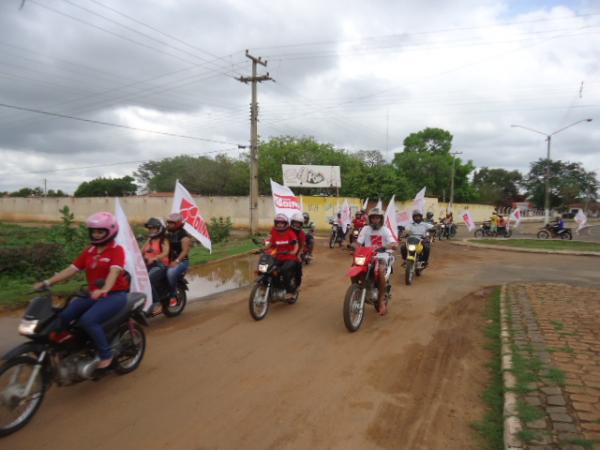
column 132, row 300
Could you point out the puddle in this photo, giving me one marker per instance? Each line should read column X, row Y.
column 213, row 278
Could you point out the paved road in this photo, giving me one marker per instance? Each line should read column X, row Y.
column 214, row 378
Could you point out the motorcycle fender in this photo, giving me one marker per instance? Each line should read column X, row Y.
column 140, row 318
column 25, row 347
column 356, row 271
column 411, row 257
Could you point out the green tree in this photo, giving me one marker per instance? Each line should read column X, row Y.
column 427, row 161
column 569, row 182
column 107, row 187
column 499, row 187
column 57, row 193
column 28, row 192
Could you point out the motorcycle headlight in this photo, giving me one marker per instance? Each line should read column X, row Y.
column 262, row 268
column 411, row 247
column 360, row 260
column 27, row 327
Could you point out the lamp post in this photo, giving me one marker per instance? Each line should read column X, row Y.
column 547, row 171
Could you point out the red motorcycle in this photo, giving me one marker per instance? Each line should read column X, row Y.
column 364, row 288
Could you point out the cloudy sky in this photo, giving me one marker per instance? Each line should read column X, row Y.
column 360, row 75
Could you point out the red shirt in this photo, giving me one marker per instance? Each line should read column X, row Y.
column 284, row 241
column 301, row 238
column 358, row 223
column 97, row 265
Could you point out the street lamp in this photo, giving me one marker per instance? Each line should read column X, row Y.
column 547, row 171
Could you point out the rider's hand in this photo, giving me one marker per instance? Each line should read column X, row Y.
column 95, row 295
column 39, row 286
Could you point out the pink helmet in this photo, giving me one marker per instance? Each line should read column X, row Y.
column 102, row 221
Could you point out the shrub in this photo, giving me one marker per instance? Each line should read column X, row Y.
column 219, row 229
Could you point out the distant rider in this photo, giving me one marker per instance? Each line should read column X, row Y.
column 283, row 245
column 296, row 226
column 180, row 243
column 376, row 235
column 419, row 229
column 309, row 230
column 156, row 251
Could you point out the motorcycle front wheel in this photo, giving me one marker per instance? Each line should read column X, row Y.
column 508, row 234
column 258, row 302
column 479, row 233
column 353, row 312
column 543, row 234
column 332, row 240
column 130, row 345
column 16, row 410
column 566, row 236
column 409, row 273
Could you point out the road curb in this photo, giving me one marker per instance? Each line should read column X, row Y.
column 525, row 250
column 512, row 423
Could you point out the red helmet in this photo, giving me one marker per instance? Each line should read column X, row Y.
column 102, row 221
column 175, row 218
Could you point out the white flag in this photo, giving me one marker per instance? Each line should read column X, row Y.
column 516, row 216
column 346, row 217
column 403, row 218
column 581, row 219
column 379, row 204
column 419, row 201
column 194, row 224
column 468, row 219
column 284, row 200
column 366, row 204
column 390, row 218
column 134, row 262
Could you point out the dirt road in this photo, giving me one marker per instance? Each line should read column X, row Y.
column 214, row 378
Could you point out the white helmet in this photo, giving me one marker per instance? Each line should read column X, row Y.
column 297, row 221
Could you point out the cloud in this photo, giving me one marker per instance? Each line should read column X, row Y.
column 361, row 76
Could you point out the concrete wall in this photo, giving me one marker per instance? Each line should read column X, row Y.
column 138, row 209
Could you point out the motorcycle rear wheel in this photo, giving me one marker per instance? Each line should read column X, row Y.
column 258, row 310
column 479, row 233
column 11, row 383
column 543, row 234
column 409, row 272
column 131, row 346
column 172, row 311
column 353, row 313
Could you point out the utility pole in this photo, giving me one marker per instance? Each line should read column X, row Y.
column 451, row 202
column 254, row 79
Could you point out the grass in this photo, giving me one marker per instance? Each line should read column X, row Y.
column 491, row 427
column 541, row 244
column 200, row 255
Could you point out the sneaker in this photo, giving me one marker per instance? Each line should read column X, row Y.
column 156, row 310
column 173, row 302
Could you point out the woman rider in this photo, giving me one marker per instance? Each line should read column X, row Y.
column 156, row 255
column 103, row 262
column 180, row 243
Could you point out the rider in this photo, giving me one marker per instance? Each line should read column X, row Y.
column 429, row 218
column 494, row 222
column 558, row 224
column 156, row 255
column 284, row 247
column 419, row 229
column 309, row 229
column 180, row 243
column 104, row 265
column 376, row 235
column 296, row 226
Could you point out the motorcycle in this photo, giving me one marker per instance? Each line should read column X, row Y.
column 485, row 230
column 164, row 295
column 549, row 231
column 269, row 287
column 65, row 358
column 364, row 276
column 446, row 231
column 337, row 234
column 414, row 259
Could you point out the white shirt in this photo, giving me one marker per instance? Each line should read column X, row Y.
column 418, row 229
column 375, row 238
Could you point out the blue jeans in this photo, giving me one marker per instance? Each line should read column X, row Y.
column 156, row 274
column 173, row 274
column 91, row 314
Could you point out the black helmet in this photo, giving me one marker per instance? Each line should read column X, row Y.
column 416, row 213
column 429, row 215
column 306, row 217
column 373, row 213
column 153, row 222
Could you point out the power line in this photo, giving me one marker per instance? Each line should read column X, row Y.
column 115, row 125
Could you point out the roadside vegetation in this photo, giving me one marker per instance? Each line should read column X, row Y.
column 541, row 244
column 32, row 253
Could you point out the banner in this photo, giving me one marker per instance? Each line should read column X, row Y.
column 403, row 218
column 419, row 201
column 365, row 204
column 346, row 217
column 379, row 205
column 390, row 218
column 468, row 219
column 581, row 219
column 284, row 200
column 311, row 176
column 134, row 261
column 516, row 217
column 184, row 203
